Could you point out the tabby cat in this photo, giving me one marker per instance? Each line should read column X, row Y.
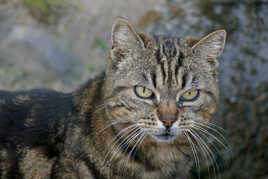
column 141, row 118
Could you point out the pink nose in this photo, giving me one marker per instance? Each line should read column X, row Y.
column 167, row 123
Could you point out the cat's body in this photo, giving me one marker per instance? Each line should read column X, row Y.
column 125, row 123
column 44, row 139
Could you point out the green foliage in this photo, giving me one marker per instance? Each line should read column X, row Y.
column 90, row 68
column 45, row 11
column 100, row 44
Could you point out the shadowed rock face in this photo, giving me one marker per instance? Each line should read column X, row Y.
column 244, row 84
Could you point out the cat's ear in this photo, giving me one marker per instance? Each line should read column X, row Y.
column 210, row 46
column 124, row 36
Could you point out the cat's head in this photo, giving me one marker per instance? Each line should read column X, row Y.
column 161, row 87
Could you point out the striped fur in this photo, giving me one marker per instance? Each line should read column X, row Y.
column 104, row 130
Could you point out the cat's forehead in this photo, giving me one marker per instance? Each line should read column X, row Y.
column 167, row 47
column 164, row 67
column 160, row 68
column 169, row 63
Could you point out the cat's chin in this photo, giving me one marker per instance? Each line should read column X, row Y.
column 164, row 137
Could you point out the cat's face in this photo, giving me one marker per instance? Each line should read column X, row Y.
column 161, row 87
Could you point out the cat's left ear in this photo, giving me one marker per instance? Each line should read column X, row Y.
column 210, row 46
column 124, row 36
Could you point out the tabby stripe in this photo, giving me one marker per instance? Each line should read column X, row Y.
column 117, row 90
column 159, row 76
column 158, row 55
column 138, row 157
column 94, row 170
column 179, row 77
column 173, row 72
column 177, row 67
column 169, row 48
column 145, row 77
column 153, row 77
column 170, row 72
column 184, row 81
column 166, row 73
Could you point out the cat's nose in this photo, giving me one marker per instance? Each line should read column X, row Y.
column 168, row 121
column 167, row 112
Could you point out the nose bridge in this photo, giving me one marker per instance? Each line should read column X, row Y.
column 168, row 109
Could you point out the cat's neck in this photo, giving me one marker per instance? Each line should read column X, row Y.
column 89, row 95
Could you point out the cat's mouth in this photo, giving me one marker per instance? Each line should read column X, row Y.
column 164, row 137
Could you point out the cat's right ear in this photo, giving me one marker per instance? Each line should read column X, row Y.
column 210, row 46
column 124, row 36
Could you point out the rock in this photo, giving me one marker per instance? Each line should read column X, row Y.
column 36, row 51
column 37, row 46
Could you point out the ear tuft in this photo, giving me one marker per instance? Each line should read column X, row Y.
column 125, row 36
column 211, row 46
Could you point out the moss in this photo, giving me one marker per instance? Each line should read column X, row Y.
column 90, row 68
column 100, row 44
column 45, row 11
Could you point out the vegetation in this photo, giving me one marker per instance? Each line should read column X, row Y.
column 100, row 44
column 45, row 11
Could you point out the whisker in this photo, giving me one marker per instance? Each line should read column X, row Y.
column 196, row 159
column 114, row 122
column 216, row 131
column 206, row 136
column 118, row 137
column 130, row 141
column 103, row 105
column 207, row 151
column 136, row 144
column 204, row 151
column 115, row 152
column 213, row 125
column 109, row 125
column 211, row 128
column 210, row 134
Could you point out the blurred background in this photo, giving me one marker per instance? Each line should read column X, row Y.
column 59, row 44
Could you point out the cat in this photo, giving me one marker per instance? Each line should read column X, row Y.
column 139, row 119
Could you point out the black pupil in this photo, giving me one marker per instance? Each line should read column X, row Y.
column 143, row 90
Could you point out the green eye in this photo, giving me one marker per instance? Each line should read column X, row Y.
column 143, row 92
column 190, row 95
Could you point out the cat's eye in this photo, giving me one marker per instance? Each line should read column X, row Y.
column 190, row 95
column 143, row 92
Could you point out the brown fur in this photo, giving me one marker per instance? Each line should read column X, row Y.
column 81, row 134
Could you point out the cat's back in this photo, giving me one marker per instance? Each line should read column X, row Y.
column 31, row 130
column 34, row 112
